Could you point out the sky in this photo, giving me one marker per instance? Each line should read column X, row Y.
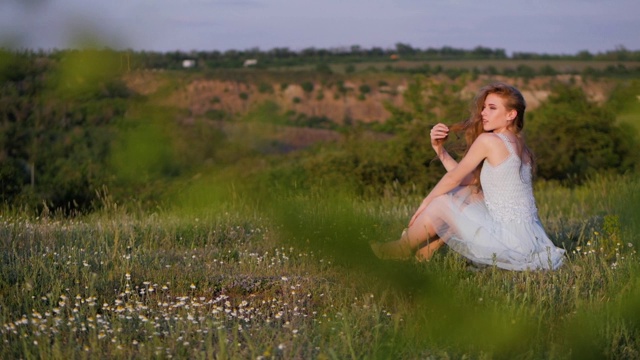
column 540, row 26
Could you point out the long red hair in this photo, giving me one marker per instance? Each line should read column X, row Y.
column 472, row 127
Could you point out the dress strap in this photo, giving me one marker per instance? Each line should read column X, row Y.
column 507, row 143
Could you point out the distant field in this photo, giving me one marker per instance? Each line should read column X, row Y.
column 558, row 65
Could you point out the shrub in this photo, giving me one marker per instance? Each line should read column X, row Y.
column 323, row 68
column 350, row 69
column 574, row 138
column 307, row 86
column 365, row 89
column 265, row 88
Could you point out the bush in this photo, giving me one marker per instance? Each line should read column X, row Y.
column 323, row 68
column 350, row 69
column 307, row 86
column 372, row 166
column 57, row 120
column 265, row 88
column 574, row 138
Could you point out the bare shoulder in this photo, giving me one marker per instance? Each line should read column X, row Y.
column 488, row 139
column 492, row 146
column 483, row 144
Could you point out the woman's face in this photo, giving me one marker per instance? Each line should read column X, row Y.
column 495, row 116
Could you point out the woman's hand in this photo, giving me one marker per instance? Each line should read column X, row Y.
column 439, row 134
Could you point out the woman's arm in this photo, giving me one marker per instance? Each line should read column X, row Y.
column 477, row 153
column 439, row 134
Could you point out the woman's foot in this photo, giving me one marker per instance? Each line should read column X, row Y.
column 394, row 250
column 426, row 252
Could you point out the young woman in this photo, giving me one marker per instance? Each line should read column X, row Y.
column 483, row 207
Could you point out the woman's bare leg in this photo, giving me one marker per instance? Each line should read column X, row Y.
column 426, row 252
column 427, row 240
column 419, row 232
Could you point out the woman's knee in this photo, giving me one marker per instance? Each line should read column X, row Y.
column 422, row 229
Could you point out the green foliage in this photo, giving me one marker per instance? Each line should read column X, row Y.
column 548, row 70
column 14, row 174
column 323, row 68
column 16, row 67
column 307, row 86
column 267, row 112
column 624, row 98
column 364, row 89
column 491, row 70
column 215, row 114
column 584, row 136
column 574, row 138
column 56, row 116
column 427, row 102
column 87, row 75
column 374, row 164
column 525, row 71
column 140, row 154
column 313, row 122
column 265, row 88
column 322, row 59
column 71, row 126
column 625, row 103
column 454, row 73
column 350, row 69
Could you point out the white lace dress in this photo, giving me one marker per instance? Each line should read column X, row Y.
column 500, row 225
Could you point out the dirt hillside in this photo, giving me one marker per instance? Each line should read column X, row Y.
column 199, row 95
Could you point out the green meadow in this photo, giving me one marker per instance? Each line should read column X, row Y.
column 290, row 276
column 133, row 228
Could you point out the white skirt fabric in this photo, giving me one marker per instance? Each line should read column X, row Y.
column 464, row 223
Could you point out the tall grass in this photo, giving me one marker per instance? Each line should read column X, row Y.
column 291, row 276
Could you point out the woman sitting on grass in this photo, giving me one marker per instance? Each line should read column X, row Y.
column 483, row 207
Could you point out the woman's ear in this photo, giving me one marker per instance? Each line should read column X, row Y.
column 511, row 115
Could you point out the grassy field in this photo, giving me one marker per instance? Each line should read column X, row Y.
column 290, row 276
column 228, row 268
column 631, row 115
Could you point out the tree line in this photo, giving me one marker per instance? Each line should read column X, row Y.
column 286, row 57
